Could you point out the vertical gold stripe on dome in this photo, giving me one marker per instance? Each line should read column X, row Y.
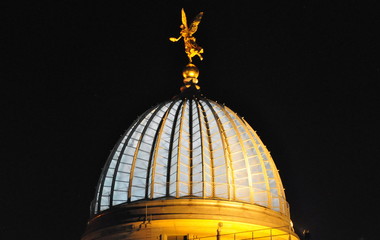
column 131, row 175
column 202, row 150
column 282, row 198
column 179, row 148
column 248, row 168
column 170, row 150
column 227, row 154
column 130, row 134
column 209, row 141
column 190, row 187
column 150, row 169
column 156, row 147
column 264, row 169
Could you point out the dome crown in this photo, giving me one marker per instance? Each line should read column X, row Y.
column 190, row 147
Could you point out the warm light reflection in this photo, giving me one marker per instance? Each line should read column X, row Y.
column 199, row 229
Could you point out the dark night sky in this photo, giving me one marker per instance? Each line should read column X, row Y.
column 304, row 74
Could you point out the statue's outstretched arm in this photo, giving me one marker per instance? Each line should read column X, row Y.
column 175, row 39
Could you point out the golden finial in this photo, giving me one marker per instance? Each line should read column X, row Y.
column 190, row 77
column 191, row 47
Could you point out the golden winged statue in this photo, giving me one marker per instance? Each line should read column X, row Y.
column 191, row 47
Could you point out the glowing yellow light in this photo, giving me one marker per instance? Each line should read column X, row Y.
column 190, row 71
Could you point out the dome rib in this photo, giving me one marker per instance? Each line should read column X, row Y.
column 133, row 167
column 154, row 153
column 201, row 145
column 129, row 132
column 210, row 152
column 133, row 178
column 283, row 205
column 190, row 148
column 142, row 118
column 191, row 157
column 244, row 152
column 170, row 149
column 226, row 149
column 183, row 108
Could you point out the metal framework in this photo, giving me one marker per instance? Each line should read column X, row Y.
column 190, row 148
column 275, row 233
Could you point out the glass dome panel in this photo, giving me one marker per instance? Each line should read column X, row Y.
column 190, row 148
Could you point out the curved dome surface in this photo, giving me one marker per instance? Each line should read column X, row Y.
column 190, row 148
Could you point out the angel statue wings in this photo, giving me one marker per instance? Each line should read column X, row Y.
column 191, row 47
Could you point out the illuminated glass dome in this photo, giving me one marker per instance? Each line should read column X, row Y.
column 189, row 168
column 190, row 147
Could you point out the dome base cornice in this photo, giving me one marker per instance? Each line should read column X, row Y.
column 131, row 218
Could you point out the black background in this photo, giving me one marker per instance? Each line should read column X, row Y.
column 304, row 74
